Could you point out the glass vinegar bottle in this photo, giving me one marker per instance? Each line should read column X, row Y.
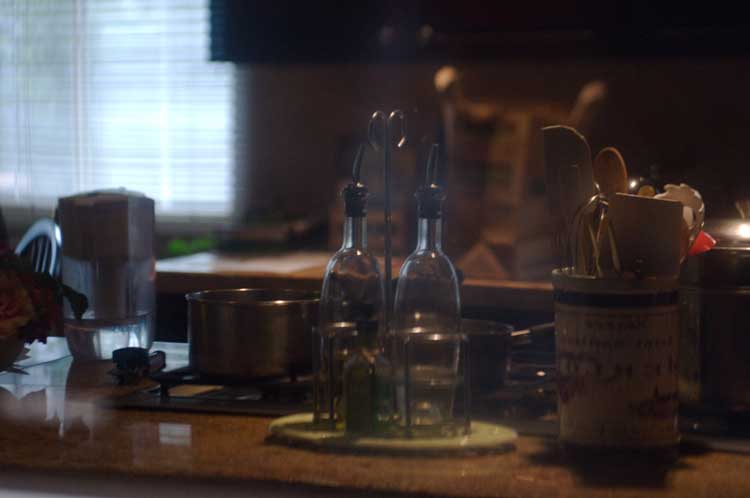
column 427, row 311
column 352, row 285
column 352, row 293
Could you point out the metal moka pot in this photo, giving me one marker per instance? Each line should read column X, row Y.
column 715, row 321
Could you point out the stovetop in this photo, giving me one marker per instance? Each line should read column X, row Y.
column 184, row 390
column 528, row 392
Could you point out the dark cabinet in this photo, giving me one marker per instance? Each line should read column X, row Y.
column 261, row 31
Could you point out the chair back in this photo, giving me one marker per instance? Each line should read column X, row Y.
column 40, row 245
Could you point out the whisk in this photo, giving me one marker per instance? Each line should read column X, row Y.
column 587, row 235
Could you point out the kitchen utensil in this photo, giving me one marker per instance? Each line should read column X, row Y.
column 648, row 234
column 241, row 334
column 490, row 345
column 108, row 255
column 383, row 138
column 570, row 184
column 610, row 172
column 715, row 308
column 611, row 175
column 590, row 223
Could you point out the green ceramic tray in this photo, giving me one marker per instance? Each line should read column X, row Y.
column 484, row 437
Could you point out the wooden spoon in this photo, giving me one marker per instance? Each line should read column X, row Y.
column 610, row 172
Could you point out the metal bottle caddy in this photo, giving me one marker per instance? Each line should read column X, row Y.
column 407, row 342
column 327, row 360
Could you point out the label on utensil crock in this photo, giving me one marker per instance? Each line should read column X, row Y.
column 617, row 374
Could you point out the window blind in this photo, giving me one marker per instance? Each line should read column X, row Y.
column 114, row 93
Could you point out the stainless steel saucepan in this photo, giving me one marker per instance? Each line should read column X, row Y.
column 242, row 334
column 490, row 347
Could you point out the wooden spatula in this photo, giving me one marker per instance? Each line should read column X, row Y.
column 570, row 184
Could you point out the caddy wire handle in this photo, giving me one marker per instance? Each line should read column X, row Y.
column 379, row 134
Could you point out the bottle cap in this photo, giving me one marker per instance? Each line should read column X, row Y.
column 430, row 196
column 355, row 194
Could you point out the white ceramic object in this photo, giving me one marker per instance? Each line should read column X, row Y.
column 648, row 233
column 694, row 210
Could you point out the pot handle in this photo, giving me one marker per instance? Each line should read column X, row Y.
column 533, row 334
column 132, row 364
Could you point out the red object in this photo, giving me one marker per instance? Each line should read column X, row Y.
column 703, row 243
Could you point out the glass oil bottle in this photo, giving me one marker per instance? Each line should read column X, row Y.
column 352, row 295
column 426, row 341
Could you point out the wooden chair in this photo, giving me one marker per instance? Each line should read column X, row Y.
column 40, row 245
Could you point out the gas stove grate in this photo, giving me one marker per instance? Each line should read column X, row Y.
column 185, row 391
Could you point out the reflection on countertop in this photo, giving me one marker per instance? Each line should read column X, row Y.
column 54, row 415
column 52, row 392
column 56, row 419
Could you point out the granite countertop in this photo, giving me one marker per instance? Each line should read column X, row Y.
column 55, row 419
